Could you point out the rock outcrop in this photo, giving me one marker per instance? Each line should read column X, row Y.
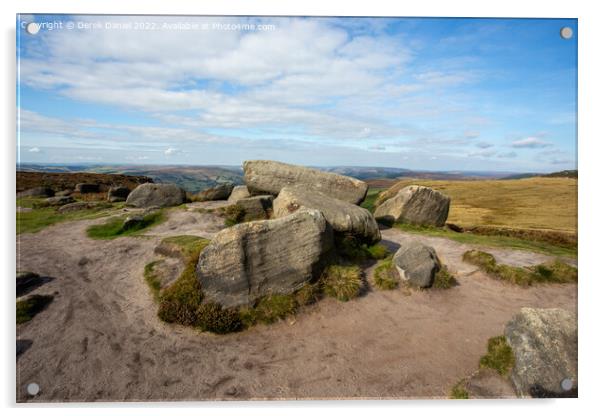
column 344, row 217
column 544, row 342
column 118, row 193
column 269, row 177
column 238, row 193
column 217, row 193
column 417, row 264
column 38, row 191
column 417, row 205
column 87, row 188
column 78, row 206
column 255, row 259
column 156, row 195
column 256, row 207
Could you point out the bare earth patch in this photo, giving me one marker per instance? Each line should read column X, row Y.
column 100, row 339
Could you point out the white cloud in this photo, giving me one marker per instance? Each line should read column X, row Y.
column 530, row 143
column 170, row 151
column 34, row 150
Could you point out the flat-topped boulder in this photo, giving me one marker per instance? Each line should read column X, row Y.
column 256, row 207
column 250, row 260
column 238, row 193
column 217, row 193
column 417, row 264
column 269, row 177
column 344, row 217
column 417, row 205
column 544, row 343
column 156, row 195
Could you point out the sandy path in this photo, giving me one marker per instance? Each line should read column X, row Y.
column 100, row 338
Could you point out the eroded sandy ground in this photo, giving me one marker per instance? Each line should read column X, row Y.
column 100, row 338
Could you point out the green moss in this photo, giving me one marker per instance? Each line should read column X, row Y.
column 341, row 281
column 349, row 247
column 40, row 218
column 385, row 275
column 499, row 356
column 31, row 306
column 115, row 227
column 152, row 279
column 459, row 391
column 184, row 246
column 269, row 309
column 554, row 272
column 234, row 214
column 444, row 279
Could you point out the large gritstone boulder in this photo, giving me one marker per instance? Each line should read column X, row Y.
column 156, row 195
column 269, row 177
column 544, row 342
column 238, row 193
column 254, row 259
column 256, row 207
column 415, row 205
column 345, row 218
column 417, row 264
column 216, row 193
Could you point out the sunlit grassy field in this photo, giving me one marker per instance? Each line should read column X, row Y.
column 533, row 203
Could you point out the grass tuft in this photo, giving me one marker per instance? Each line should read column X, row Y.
column 233, row 214
column 40, row 218
column 152, row 279
column 115, row 227
column 342, row 282
column 386, row 276
column 213, row 318
column 31, row 306
column 459, row 391
column 371, row 198
column 499, row 356
column 554, row 272
column 269, row 309
column 444, row 279
column 353, row 249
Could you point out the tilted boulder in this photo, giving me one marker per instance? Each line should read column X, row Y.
column 78, row 206
column 117, row 193
column 544, row 342
column 238, row 193
column 38, row 191
column 254, row 259
column 344, row 217
column 256, row 207
column 417, row 264
column 269, row 177
column 156, row 195
column 87, row 188
column 219, row 192
column 415, row 205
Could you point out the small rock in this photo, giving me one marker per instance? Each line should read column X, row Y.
column 38, row 191
column 87, row 188
column 417, row 264
column 132, row 221
column 59, row 200
column 76, row 206
column 238, row 193
column 256, row 207
column 156, row 194
column 117, row 193
column 219, row 192
column 65, row 192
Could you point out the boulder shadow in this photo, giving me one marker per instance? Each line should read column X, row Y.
column 23, row 345
column 28, row 284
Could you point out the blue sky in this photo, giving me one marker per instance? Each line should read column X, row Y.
column 432, row 94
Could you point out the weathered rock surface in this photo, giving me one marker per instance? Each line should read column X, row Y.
column 58, row 200
column 117, row 193
column 238, row 193
column 77, row 206
column 254, row 259
column 488, row 384
column 415, row 205
column 417, row 264
column 216, row 193
column 269, row 177
column 87, row 188
column 344, row 217
column 156, row 195
column 544, row 342
column 256, row 207
column 38, row 191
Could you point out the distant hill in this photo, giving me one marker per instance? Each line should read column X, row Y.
column 560, row 174
column 59, row 181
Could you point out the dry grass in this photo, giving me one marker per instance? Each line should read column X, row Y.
column 533, row 203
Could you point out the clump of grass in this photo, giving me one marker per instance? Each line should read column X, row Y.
column 151, row 278
column 308, row 294
column 269, row 309
column 180, row 302
column 499, row 356
column 353, row 249
column 459, row 391
column 444, row 279
column 31, row 306
column 386, row 276
column 115, row 227
column 233, row 214
column 184, row 246
column 342, row 281
column 555, row 272
column 213, row 318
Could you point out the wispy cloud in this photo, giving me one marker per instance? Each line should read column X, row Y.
column 530, row 143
